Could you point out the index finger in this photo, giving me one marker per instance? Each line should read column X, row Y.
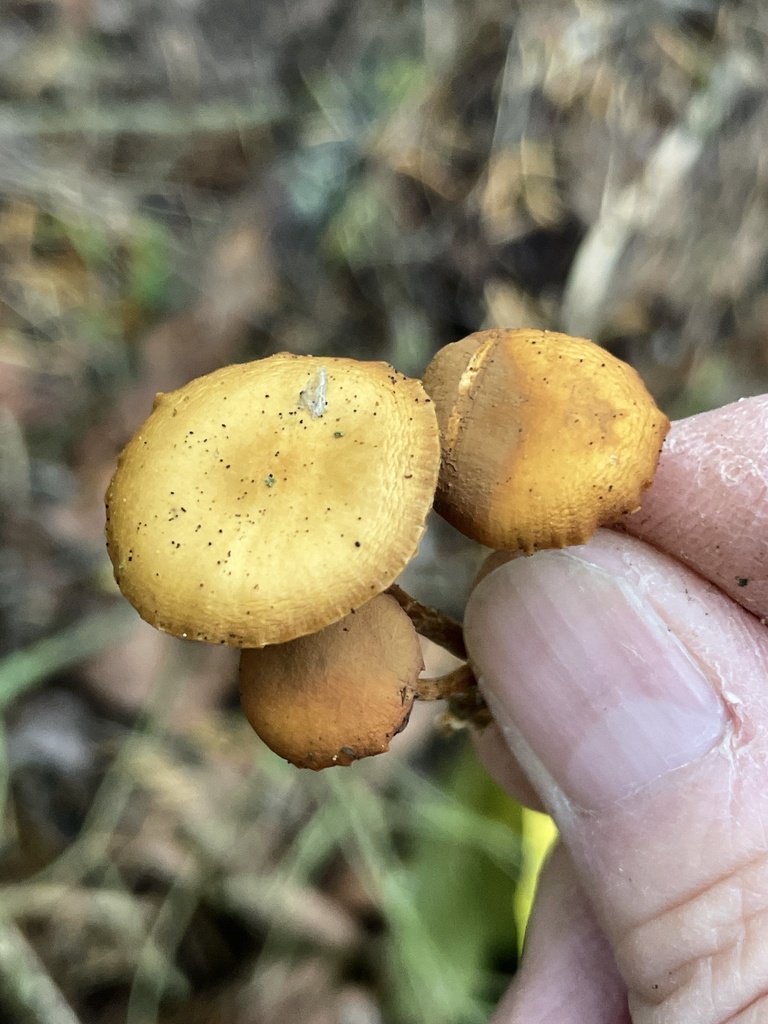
column 708, row 505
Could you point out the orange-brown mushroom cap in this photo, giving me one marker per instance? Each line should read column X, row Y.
column 338, row 695
column 267, row 499
column 544, row 437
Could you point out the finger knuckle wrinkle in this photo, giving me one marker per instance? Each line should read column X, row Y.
column 704, row 958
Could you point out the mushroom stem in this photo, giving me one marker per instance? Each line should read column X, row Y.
column 458, row 682
column 441, row 629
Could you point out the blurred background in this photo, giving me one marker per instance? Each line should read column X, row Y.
column 187, row 183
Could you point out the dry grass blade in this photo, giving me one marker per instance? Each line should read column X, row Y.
column 26, row 668
column 27, row 993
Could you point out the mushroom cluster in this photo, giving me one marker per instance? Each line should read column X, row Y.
column 271, row 506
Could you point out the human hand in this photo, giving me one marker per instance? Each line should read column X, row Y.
column 630, row 697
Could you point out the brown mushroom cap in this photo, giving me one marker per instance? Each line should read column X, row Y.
column 338, row 695
column 267, row 499
column 545, row 437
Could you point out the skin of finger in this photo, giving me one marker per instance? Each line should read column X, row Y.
column 678, row 872
column 568, row 974
column 503, row 767
column 492, row 749
column 707, row 505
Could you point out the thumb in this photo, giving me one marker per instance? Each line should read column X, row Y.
column 634, row 695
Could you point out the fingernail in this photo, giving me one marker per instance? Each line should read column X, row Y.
column 578, row 663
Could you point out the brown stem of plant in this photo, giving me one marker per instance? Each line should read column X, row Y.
column 460, row 680
column 459, row 687
column 431, row 623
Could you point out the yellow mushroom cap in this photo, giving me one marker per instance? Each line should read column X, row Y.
column 337, row 695
column 268, row 499
column 544, row 437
